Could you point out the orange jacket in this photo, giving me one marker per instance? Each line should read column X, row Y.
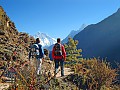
column 59, row 57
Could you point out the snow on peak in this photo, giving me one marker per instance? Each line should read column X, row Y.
column 45, row 39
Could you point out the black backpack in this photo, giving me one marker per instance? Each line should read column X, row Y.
column 58, row 49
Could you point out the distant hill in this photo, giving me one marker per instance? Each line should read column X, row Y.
column 101, row 39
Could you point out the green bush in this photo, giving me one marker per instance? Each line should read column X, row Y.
column 95, row 74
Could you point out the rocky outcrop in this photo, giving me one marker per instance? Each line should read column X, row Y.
column 12, row 42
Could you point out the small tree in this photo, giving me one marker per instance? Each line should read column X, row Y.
column 73, row 54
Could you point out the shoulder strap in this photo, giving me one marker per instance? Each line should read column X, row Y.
column 36, row 46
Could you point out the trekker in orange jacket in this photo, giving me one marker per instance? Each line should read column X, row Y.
column 59, row 56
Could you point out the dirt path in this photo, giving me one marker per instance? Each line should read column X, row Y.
column 67, row 71
column 66, row 85
column 4, row 86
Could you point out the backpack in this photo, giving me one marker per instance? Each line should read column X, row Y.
column 34, row 49
column 58, row 49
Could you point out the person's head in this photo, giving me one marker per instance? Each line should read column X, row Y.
column 37, row 40
column 58, row 40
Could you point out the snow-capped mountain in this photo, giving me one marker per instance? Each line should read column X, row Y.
column 45, row 39
column 73, row 33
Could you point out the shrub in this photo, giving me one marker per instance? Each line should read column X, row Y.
column 95, row 74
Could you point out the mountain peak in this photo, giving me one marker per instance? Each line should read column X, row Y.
column 45, row 39
column 118, row 10
column 73, row 33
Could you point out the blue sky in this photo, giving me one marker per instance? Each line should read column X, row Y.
column 57, row 17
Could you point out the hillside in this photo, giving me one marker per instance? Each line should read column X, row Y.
column 101, row 39
column 12, row 43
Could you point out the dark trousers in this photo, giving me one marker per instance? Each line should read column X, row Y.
column 61, row 64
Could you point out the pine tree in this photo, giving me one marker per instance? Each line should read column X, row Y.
column 73, row 54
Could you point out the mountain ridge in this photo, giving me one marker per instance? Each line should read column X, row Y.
column 101, row 39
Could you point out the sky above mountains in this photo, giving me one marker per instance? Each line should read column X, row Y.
column 57, row 17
